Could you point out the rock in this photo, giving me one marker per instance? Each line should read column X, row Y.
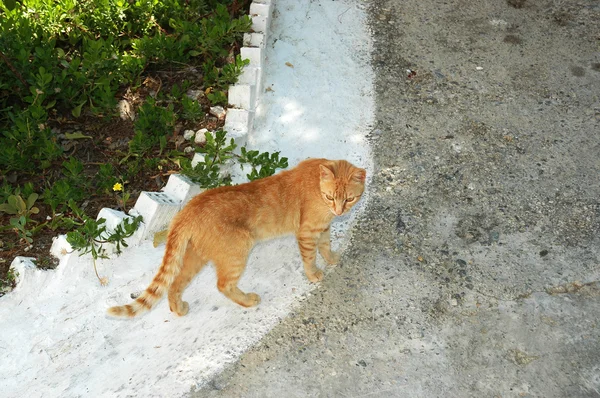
column 188, row 134
column 200, row 138
column 125, row 110
column 194, row 94
column 218, row 111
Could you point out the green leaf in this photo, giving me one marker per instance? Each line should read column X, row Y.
column 194, row 53
column 17, row 203
column 76, row 135
column 8, row 209
column 10, row 4
column 50, row 104
column 31, row 200
column 77, row 110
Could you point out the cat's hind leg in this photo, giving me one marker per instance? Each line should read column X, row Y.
column 230, row 265
column 192, row 264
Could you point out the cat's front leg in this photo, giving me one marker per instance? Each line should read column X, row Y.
column 307, row 241
column 324, row 245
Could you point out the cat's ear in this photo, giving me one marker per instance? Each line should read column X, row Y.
column 359, row 175
column 326, row 173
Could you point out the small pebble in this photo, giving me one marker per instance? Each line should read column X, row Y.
column 200, row 138
column 218, row 111
column 188, row 134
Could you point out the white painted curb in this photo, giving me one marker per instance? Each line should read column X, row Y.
column 158, row 208
column 244, row 95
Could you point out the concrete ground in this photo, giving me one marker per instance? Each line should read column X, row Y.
column 475, row 270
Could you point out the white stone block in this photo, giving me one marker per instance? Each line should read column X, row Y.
column 113, row 218
column 260, row 23
column 263, row 1
column 260, row 9
column 157, row 209
column 250, row 75
column 242, row 96
column 254, row 54
column 23, row 265
column 239, row 123
column 181, row 188
column 254, row 40
column 60, row 247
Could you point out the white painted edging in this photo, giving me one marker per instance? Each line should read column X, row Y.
column 244, row 95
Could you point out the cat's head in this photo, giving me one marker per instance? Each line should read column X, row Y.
column 342, row 184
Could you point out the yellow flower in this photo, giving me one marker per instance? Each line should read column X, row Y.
column 118, row 187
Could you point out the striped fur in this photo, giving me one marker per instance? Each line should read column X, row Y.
column 171, row 265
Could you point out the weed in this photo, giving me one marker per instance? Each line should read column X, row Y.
column 122, row 197
column 217, row 97
column 151, row 127
column 263, row 164
column 217, row 152
column 191, row 109
column 17, row 206
column 9, row 281
column 19, row 225
column 92, row 235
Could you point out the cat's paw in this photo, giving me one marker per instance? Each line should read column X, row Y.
column 316, row 276
column 251, row 300
column 183, row 308
column 333, row 258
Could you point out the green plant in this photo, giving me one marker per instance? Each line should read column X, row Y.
column 217, row 151
column 106, row 178
column 231, row 72
column 92, row 235
column 263, row 164
column 123, row 197
column 9, row 281
column 152, row 126
column 17, row 206
column 191, row 109
column 217, row 97
column 19, row 225
column 45, row 262
column 222, row 78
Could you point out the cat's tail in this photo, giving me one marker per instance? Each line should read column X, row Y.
column 170, row 267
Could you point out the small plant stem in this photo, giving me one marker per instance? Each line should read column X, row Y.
column 13, row 69
column 96, row 270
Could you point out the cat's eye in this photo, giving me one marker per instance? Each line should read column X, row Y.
column 329, row 197
column 350, row 199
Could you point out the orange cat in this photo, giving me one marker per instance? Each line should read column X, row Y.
column 223, row 224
